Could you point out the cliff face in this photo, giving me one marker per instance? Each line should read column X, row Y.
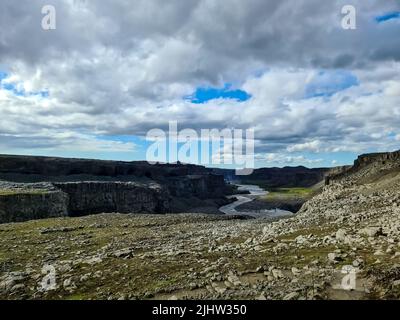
column 17, row 207
column 287, row 177
column 335, row 172
column 21, row 202
column 366, row 168
column 76, row 187
column 123, row 197
column 383, row 157
column 37, row 169
column 203, row 187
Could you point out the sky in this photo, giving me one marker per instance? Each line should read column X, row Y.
column 315, row 94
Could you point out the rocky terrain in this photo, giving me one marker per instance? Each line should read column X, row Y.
column 343, row 244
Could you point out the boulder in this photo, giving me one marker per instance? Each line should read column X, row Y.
column 372, row 231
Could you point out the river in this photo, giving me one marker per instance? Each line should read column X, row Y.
column 255, row 192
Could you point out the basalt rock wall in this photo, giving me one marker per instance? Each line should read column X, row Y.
column 18, row 207
column 122, row 197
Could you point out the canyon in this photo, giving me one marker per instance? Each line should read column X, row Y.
column 342, row 244
column 34, row 187
column 43, row 187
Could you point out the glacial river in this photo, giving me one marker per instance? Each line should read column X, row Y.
column 255, row 192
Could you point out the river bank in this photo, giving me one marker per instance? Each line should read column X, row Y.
column 249, row 204
column 288, row 199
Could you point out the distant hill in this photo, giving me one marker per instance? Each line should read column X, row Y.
column 287, row 177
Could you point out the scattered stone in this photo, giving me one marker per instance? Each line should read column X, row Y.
column 291, row 296
column 124, row 253
column 396, row 283
column 341, row 235
column 277, row 274
column 358, row 263
column 334, row 257
column 372, row 231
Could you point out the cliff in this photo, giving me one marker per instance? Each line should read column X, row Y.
column 32, row 201
column 37, row 169
column 366, row 168
column 287, row 177
column 123, row 197
column 42, row 187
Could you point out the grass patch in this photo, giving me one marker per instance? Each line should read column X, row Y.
column 12, row 192
column 288, row 193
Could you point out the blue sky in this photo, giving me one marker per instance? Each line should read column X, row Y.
column 205, row 94
column 13, row 87
column 327, row 83
column 388, row 16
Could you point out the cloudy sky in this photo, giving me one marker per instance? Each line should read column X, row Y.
column 315, row 93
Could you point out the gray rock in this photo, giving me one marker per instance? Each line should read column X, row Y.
column 291, row 296
column 341, row 235
column 372, row 231
column 334, row 257
column 123, row 253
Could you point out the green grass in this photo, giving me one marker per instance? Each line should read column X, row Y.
column 12, row 192
column 288, row 193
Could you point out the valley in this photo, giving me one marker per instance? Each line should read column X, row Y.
column 342, row 244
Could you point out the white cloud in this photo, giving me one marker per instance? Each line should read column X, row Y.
column 122, row 69
column 313, row 146
column 282, row 159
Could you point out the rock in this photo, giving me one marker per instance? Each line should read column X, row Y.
column 396, row 283
column 291, row 296
column 262, row 297
column 11, row 279
column 63, row 229
column 280, row 247
column 234, row 280
column 372, row 231
column 18, row 287
column 301, row 240
column 193, row 286
column 93, row 260
column 259, row 269
column 334, row 257
column 123, row 253
column 218, row 288
column 277, row 274
column 390, row 250
column 341, row 235
column 358, row 263
column 67, row 282
column 86, row 197
column 85, row 277
column 295, row 271
column 69, row 285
